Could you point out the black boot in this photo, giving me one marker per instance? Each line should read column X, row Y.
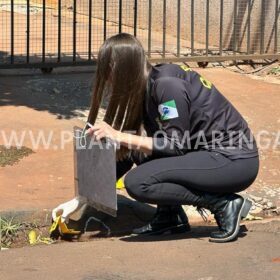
column 228, row 218
column 228, row 211
column 167, row 219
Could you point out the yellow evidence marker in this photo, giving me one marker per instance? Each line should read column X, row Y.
column 120, row 184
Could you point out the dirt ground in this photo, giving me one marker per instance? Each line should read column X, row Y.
column 33, row 102
column 54, row 103
column 255, row 256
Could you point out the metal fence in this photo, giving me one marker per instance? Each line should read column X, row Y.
column 51, row 33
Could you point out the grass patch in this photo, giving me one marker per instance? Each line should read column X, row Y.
column 275, row 70
column 12, row 155
column 8, row 231
column 15, row 234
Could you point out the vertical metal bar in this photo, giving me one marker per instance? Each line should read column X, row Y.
column 135, row 17
column 89, row 28
column 164, row 29
column 59, row 32
column 44, row 32
column 276, row 26
column 74, row 29
column 150, row 29
column 105, row 20
column 192, row 27
column 12, row 31
column 249, row 27
column 178, row 27
column 207, row 28
column 120, row 16
column 234, row 25
column 221, row 26
column 262, row 27
column 27, row 30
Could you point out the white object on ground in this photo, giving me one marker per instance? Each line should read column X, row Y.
column 65, row 210
column 4, row 249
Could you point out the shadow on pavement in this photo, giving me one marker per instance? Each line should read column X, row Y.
column 132, row 214
column 63, row 92
column 197, row 232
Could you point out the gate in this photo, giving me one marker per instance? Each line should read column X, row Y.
column 52, row 33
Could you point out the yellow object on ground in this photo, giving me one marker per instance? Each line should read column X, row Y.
column 32, row 236
column 34, row 239
column 252, row 218
column 120, row 184
column 57, row 224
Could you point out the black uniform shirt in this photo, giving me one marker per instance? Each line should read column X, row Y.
column 184, row 112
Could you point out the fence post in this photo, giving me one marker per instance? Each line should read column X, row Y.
column 262, row 27
column 105, row 21
column 221, row 26
column 192, row 27
column 59, row 32
column 74, row 29
column 150, row 28
column 249, row 27
column 12, row 31
column 89, row 28
column 44, row 32
column 135, row 17
column 178, row 27
column 234, row 25
column 27, row 30
column 276, row 26
column 164, row 29
column 207, row 28
column 120, row 16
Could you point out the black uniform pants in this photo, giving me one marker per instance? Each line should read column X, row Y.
column 171, row 180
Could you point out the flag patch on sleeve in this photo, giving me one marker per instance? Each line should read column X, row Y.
column 168, row 110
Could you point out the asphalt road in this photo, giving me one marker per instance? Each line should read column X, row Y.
column 256, row 255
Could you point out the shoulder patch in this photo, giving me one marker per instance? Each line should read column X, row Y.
column 185, row 68
column 206, row 83
column 168, row 110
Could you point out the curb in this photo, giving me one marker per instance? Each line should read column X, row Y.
column 43, row 217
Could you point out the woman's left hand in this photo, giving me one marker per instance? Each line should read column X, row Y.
column 102, row 130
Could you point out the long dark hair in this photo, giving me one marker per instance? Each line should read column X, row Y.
column 122, row 72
